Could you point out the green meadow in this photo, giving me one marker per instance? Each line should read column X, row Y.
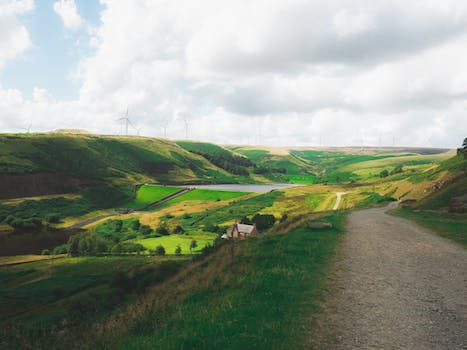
column 147, row 194
column 171, row 242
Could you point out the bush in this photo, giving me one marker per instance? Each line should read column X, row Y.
column 160, row 250
column 127, row 247
column 384, row 173
column 162, row 230
column 136, row 225
column 212, row 228
column 193, row 245
column 169, row 216
column 178, row 250
column 61, row 249
column 186, row 216
column 283, row 217
column 45, row 252
column 246, row 221
column 145, row 230
column 53, row 218
column 263, row 221
column 179, row 230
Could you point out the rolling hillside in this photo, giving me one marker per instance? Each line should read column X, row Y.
column 59, row 163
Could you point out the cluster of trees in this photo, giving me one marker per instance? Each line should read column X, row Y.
column 262, row 221
column 397, row 170
column 264, row 170
column 233, row 164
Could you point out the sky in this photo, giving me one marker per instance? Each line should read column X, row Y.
column 269, row 72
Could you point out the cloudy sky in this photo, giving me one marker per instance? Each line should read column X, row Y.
column 274, row 72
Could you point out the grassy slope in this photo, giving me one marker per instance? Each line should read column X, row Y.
column 242, row 303
column 207, row 195
column 267, row 158
column 431, row 210
column 45, row 291
column 147, row 194
column 99, row 157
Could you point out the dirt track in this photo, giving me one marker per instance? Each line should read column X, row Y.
column 394, row 286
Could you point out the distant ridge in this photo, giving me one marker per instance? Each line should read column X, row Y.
column 70, row 131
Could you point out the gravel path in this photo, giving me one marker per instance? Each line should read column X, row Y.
column 394, row 286
column 338, row 200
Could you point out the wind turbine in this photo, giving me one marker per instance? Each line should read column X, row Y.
column 28, row 129
column 186, row 126
column 126, row 120
column 164, row 126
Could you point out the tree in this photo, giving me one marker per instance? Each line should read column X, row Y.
column 179, row 230
column 384, row 173
column 263, row 221
column 193, row 245
column 136, row 225
column 145, row 230
column 160, row 250
column 162, row 230
column 245, row 221
column 45, row 252
column 283, row 217
column 178, row 250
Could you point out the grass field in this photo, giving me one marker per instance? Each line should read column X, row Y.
column 171, row 242
column 449, row 225
column 67, row 288
column 199, row 194
column 239, row 301
column 301, row 179
column 147, row 194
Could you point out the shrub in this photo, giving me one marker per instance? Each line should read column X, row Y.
column 145, row 230
column 283, row 217
column 136, row 225
column 169, row 216
column 384, row 173
column 263, row 221
column 52, row 218
column 61, row 249
column 246, row 221
column 45, row 252
column 127, row 247
column 179, row 230
column 193, row 245
column 160, row 250
column 162, row 230
column 186, row 216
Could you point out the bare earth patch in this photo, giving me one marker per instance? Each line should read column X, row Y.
column 394, row 285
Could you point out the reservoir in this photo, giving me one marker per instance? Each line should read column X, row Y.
column 247, row 187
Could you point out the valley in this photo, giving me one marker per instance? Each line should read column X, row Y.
column 99, row 229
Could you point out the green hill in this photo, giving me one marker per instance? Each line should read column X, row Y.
column 59, row 163
column 231, row 162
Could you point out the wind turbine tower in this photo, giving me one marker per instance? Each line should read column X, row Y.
column 186, row 126
column 126, row 120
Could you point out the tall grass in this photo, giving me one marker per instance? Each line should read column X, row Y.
column 258, row 293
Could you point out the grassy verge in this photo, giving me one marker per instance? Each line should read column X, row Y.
column 261, row 296
column 449, row 225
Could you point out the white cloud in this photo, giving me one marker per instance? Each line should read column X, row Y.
column 68, row 12
column 275, row 72
column 14, row 37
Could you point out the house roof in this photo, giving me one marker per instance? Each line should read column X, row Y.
column 243, row 228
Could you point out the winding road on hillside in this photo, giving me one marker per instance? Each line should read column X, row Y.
column 338, row 200
column 394, row 285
